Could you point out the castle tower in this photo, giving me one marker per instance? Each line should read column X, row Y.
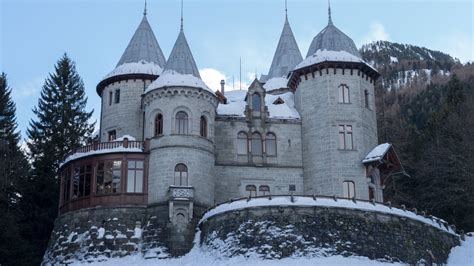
column 121, row 90
column 180, row 113
column 335, row 97
column 286, row 57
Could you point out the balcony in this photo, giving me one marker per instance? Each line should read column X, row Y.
column 106, row 147
column 181, row 192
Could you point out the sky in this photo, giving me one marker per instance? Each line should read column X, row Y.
column 34, row 34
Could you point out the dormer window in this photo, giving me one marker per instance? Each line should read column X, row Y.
column 256, row 102
column 279, row 101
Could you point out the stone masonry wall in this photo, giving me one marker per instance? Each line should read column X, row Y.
column 279, row 232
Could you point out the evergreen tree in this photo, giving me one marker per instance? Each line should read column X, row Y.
column 13, row 173
column 61, row 125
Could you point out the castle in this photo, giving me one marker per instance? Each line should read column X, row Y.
column 166, row 139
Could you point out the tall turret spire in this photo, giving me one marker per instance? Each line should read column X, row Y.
column 287, row 54
column 329, row 13
column 182, row 15
column 144, row 11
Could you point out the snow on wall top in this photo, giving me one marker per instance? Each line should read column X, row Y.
column 236, row 105
column 140, row 67
column 377, row 153
column 333, row 56
column 322, row 202
column 173, row 78
column 276, row 83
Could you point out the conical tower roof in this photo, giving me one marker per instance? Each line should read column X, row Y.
column 181, row 59
column 143, row 47
column 332, row 39
column 287, row 54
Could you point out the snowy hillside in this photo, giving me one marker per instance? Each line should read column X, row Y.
column 402, row 65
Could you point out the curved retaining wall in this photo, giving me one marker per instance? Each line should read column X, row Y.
column 274, row 232
column 96, row 234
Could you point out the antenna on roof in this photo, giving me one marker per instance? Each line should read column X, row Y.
column 233, row 83
column 144, row 11
column 181, row 14
column 329, row 12
column 240, row 74
column 286, row 9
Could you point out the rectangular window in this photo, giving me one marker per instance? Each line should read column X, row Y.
column 344, row 96
column 108, row 177
column 117, row 96
column 75, row 182
column 112, row 135
column 110, row 97
column 66, row 184
column 366, row 99
column 82, row 181
column 135, row 177
column 345, row 137
column 348, row 189
column 292, row 188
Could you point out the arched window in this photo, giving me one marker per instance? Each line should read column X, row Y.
column 180, row 175
column 242, row 143
column 181, row 123
column 270, row 144
column 158, row 125
column 256, row 104
column 344, row 94
column 203, row 127
column 264, row 190
column 348, row 189
column 251, row 190
column 256, row 144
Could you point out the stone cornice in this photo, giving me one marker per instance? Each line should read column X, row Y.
column 185, row 91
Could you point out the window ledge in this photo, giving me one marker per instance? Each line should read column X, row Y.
column 346, row 150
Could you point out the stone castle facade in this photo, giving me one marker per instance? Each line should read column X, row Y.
column 167, row 141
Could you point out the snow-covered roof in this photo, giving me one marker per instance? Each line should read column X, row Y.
column 276, row 83
column 287, row 54
column 334, row 56
column 377, row 153
column 324, row 202
column 236, row 105
column 78, row 155
column 143, row 46
column 140, row 67
column 333, row 39
column 171, row 78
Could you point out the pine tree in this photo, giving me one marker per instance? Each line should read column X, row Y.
column 61, row 125
column 14, row 171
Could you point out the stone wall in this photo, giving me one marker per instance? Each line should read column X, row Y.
column 97, row 234
column 279, row 232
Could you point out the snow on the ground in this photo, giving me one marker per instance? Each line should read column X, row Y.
column 393, row 59
column 333, row 56
column 325, row 202
column 173, row 78
column 236, row 105
column 141, row 67
column 463, row 255
column 377, row 153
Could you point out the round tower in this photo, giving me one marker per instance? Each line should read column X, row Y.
column 121, row 89
column 335, row 97
column 179, row 120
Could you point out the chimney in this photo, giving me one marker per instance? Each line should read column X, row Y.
column 222, row 86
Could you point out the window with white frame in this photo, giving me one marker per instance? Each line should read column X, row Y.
column 344, row 96
column 346, row 137
column 348, row 189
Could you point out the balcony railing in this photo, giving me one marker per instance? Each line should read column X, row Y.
column 104, row 146
column 181, row 192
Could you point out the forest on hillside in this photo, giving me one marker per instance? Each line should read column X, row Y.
column 428, row 116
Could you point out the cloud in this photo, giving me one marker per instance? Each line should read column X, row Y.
column 376, row 33
column 212, row 77
column 457, row 44
column 28, row 88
